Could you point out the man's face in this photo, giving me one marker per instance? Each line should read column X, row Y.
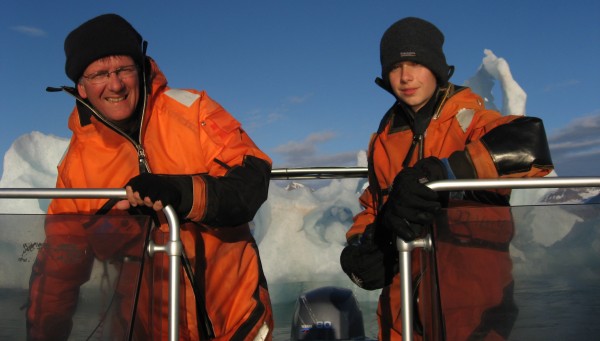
column 115, row 96
column 412, row 83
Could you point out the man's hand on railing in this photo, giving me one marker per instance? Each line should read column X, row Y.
column 158, row 191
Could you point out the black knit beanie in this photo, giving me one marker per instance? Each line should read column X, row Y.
column 102, row 36
column 417, row 40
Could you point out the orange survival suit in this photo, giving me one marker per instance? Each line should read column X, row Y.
column 181, row 132
column 484, row 144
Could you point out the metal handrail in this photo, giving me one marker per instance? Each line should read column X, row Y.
column 318, row 173
column 174, row 247
column 520, row 183
column 50, row 193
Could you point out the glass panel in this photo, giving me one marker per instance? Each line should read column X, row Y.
column 67, row 270
column 529, row 272
column 526, row 273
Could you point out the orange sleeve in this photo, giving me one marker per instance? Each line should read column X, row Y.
column 365, row 217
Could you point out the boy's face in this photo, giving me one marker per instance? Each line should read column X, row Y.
column 412, row 83
column 115, row 96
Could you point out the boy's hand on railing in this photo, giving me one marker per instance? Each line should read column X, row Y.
column 411, row 204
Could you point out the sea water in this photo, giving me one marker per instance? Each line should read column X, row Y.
column 548, row 310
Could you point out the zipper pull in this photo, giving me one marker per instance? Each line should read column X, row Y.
column 142, row 161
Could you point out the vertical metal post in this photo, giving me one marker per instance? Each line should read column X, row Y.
column 173, row 249
column 405, row 250
column 174, row 252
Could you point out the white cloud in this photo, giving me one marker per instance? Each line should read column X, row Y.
column 295, row 149
column 574, row 148
column 299, row 99
column 29, row 30
column 259, row 117
column 562, row 85
column 580, row 129
column 569, row 145
column 305, row 153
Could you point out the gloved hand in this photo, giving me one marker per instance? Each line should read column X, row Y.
column 411, row 204
column 175, row 190
column 368, row 264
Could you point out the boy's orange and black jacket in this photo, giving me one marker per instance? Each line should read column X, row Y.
column 183, row 132
column 477, row 143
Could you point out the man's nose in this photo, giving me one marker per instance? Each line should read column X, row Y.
column 114, row 81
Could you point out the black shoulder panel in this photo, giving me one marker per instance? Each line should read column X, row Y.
column 518, row 145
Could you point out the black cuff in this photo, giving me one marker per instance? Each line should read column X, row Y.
column 461, row 165
column 185, row 186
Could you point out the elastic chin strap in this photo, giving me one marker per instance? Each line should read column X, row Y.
column 450, row 72
column 384, row 85
column 144, row 49
column 145, row 77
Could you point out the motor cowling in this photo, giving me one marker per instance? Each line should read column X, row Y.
column 327, row 313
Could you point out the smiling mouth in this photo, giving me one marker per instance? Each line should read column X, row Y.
column 115, row 100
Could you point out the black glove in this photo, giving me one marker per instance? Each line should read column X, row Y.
column 433, row 168
column 412, row 205
column 369, row 264
column 174, row 190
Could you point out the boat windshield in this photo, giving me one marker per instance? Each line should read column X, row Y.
column 525, row 272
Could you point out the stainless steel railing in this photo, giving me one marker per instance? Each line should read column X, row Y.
column 318, row 173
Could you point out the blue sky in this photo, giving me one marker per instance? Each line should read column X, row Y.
column 299, row 74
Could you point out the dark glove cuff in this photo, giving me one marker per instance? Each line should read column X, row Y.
column 433, row 168
column 461, row 165
column 355, row 239
column 184, row 185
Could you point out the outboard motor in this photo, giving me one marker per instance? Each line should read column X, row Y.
column 327, row 313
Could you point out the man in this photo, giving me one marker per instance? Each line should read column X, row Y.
column 434, row 131
column 166, row 146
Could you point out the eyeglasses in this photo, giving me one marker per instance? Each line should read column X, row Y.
column 101, row 77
